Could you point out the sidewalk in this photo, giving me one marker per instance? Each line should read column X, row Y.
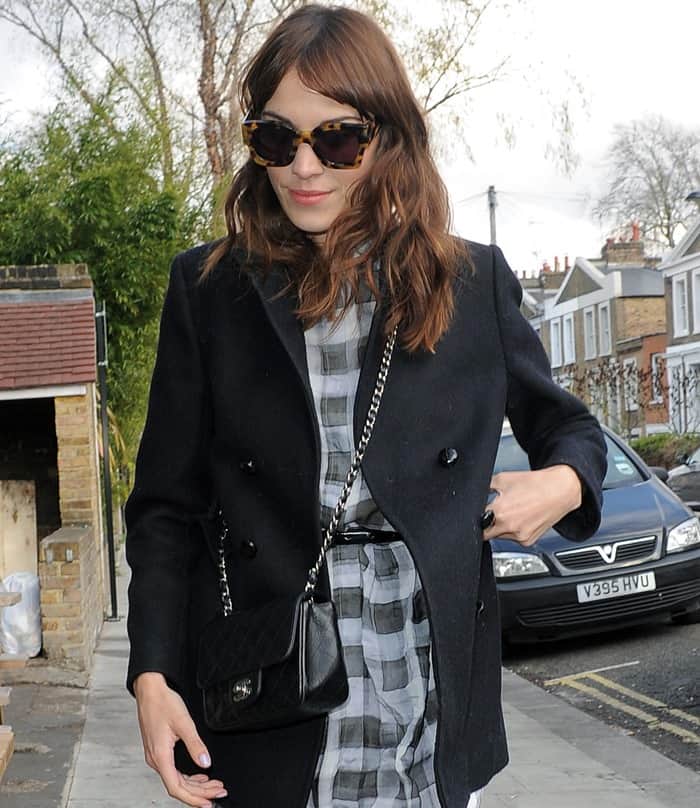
column 560, row 757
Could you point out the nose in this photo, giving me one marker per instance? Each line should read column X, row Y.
column 306, row 163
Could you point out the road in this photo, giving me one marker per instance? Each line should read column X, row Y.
column 644, row 679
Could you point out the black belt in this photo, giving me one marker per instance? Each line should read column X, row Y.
column 365, row 535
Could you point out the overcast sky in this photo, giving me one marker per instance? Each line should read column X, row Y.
column 630, row 59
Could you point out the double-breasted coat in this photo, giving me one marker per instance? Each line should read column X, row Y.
column 231, row 421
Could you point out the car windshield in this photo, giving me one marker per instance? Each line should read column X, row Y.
column 621, row 470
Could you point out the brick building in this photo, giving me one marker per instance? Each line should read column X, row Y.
column 50, row 504
column 604, row 329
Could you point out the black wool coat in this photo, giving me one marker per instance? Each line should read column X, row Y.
column 231, row 419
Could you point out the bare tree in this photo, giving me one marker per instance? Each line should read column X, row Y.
column 654, row 164
column 151, row 50
column 619, row 394
column 684, row 399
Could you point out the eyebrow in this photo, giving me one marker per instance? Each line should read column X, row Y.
column 281, row 118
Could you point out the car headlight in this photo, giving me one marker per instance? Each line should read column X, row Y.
column 512, row 565
column 684, row 536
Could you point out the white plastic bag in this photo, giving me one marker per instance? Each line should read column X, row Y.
column 20, row 625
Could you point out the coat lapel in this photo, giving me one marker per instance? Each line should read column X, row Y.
column 280, row 311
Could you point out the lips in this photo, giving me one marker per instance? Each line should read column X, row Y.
column 308, row 197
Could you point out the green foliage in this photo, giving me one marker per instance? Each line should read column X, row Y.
column 79, row 190
column 664, row 448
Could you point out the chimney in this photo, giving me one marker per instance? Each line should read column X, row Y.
column 566, row 263
column 635, row 231
column 556, row 263
column 546, row 267
column 623, row 252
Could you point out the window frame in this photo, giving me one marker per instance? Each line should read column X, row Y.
column 695, row 285
column 568, row 358
column 679, row 329
column 655, row 374
column 555, row 347
column 604, row 350
column 590, row 336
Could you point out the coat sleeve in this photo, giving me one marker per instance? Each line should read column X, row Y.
column 170, row 486
column 550, row 424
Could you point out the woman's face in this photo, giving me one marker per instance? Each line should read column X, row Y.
column 311, row 194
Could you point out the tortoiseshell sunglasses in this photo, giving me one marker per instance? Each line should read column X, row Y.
column 337, row 145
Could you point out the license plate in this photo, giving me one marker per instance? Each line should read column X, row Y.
column 616, row 587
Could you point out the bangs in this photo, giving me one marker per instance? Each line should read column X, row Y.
column 340, row 70
column 346, row 57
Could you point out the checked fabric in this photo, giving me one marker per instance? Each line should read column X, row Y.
column 379, row 745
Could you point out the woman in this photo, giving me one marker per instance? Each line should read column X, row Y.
column 269, row 346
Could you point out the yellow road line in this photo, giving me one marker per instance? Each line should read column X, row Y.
column 583, row 674
column 626, row 691
column 641, row 715
column 641, row 697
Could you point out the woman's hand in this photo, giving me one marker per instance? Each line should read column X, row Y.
column 530, row 502
column 163, row 718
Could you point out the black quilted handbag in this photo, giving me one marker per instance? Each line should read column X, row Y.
column 282, row 662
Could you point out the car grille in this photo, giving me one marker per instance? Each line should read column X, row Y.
column 572, row 614
column 608, row 556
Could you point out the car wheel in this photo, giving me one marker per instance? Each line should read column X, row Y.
column 686, row 619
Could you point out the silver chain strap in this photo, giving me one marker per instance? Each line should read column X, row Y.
column 223, row 578
column 329, row 533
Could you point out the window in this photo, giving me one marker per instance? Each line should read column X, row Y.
column 680, row 306
column 614, row 399
column 555, row 327
column 631, row 383
column 657, row 378
column 589, row 335
column 604, row 328
column 569, row 340
column 696, row 301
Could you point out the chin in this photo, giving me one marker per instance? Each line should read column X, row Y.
column 311, row 225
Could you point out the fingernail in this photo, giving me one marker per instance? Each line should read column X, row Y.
column 204, row 759
column 221, row 794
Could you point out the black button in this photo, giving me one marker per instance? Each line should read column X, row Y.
column 448, row 456
column 479, row 607
column 249, row 548
column 248, row 466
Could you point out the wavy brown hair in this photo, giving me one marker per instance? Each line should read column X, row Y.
column 398, row 213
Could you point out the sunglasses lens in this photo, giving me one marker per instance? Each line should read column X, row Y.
column 339, row 146
column 272, row 142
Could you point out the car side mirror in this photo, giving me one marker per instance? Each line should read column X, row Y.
column 682, row 458
column 660, row 472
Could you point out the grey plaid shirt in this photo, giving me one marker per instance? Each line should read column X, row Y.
column 379, row 745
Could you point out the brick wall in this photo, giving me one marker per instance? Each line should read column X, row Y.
column 655, row 413
column 72, row 603
column 74, row 592
column 77, row 469
column 635, row 316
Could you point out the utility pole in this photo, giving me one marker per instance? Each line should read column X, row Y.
column 492, row 212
